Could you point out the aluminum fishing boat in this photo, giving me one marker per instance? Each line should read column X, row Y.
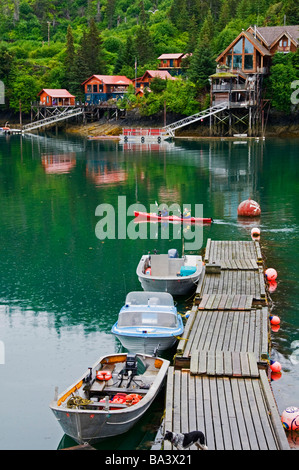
column 169, row 273
column 110, row 397
column 148, row 321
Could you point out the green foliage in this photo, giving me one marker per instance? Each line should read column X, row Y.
column 283, row 72
column 179, row 96
column 63, row 42
column 24, row 89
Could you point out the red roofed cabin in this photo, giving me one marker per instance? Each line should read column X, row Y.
column 171, row 62
column 105, row 87
column 56, row 97
column 145, row 81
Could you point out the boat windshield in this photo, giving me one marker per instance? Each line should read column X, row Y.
column 149, row 319
column 149, row 298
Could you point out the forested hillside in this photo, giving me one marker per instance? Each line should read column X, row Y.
column 59, row 43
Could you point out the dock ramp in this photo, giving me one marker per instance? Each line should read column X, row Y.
column 59, row 116
column 170, row 128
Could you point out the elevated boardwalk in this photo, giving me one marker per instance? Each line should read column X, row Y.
column 51, row 120
column 218, row 108
column 219, row 381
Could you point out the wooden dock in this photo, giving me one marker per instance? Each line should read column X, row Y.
column 219, row 381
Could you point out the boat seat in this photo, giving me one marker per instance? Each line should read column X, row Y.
column 162, row 265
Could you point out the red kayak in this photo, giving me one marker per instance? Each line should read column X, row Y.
column 171, row 218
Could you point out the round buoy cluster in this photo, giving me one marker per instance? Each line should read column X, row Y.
column 290, row 416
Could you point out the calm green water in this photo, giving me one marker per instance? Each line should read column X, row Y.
column 61, row 287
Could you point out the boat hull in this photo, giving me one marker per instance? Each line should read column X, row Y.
column 146, row 345
column 174, row 285
column 92, row 427
column 171, row 218
column 90, row 423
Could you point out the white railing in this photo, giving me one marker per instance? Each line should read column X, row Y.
column 195, row 117
column 65, row 114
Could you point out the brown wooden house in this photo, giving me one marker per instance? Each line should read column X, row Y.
column 172, row 62
column 100, row 88
column 144, row 82
column 243, row 64
column 55, row 97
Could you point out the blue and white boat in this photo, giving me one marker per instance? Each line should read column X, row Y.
column 148, row 321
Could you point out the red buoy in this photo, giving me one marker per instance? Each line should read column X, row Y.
column 249, row 208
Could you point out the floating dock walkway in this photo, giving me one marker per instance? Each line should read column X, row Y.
column 219, row 381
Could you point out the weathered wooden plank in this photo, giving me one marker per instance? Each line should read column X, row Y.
column 216, row 415
column 194, row 362
column 203, row 301
column 232, row 418
column 252, row 362
column 207, row 252
column 227, row 363
column 168, row 421
column 239, row 414
column 237, row 371
column 247, row 415
column 224, row 415
column 272, row 407
column 244, row 364
column 185, row 396
column 219, row 365
column 176, row 425
column 264, row 418
column 209, row 426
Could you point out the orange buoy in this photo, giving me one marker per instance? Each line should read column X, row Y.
column 274, row 320
column 290, row 418
column 255, row 232
column 275, row 376
column 275, row 366
column 272, row 286
column 249, row 208
column 271, row 274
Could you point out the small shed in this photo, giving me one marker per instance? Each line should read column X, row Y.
column 56, row 97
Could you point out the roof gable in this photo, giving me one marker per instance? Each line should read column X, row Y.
column 57, row 93
column 111, row 79
column 251, row 39
column 270, row 34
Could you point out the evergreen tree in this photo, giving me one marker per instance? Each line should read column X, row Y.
column 208, row 30
column 70, row 70
column 202, row 65
column 143, row 42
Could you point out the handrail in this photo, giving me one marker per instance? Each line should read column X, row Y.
column 195, row 117
column 65, row 114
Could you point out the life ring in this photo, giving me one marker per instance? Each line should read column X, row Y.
column 104, row 375
column 132, row 399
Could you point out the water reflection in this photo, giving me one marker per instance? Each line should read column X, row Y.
column 61, row 288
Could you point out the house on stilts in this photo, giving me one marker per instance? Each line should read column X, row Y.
column 239, row 78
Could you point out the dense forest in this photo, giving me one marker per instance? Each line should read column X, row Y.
column 60, row 43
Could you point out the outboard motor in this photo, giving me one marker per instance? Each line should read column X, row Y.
column 173, row 253
column 131, row 364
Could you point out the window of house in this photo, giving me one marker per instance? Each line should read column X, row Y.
column 237, row 62
column 94, row 88
column 248, row 61
column 88, row 88
column 238, row 48
column 229, row 60
column 248, row 47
